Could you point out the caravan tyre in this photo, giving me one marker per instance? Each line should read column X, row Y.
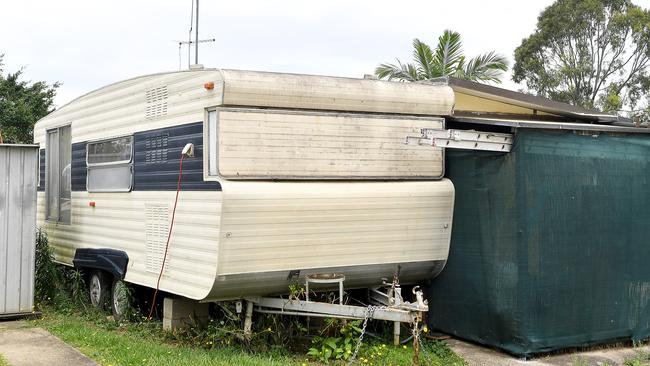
column 99, row 287
column 121, row 299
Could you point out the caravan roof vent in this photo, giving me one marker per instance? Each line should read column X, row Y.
column 156, row 102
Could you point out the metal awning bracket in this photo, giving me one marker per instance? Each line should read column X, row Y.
column 463, row 139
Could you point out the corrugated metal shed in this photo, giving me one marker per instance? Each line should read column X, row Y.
column 18, row 179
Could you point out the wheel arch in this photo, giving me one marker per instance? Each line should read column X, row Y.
column 112, row 261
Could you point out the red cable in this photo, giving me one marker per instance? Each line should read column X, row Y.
column 169, row 235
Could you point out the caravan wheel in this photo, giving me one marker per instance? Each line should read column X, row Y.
column 99, row 289
column 121, row 297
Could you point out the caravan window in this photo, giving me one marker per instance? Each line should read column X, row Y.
column 110, row 165
column 58, row 156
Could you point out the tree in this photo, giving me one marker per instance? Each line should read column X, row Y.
column 446, row 60
column 22, row 103
column 591, row 53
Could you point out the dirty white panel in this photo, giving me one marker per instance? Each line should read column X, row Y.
column 278, row 90
column 18, row 179
column 138, row 222
column 259, row 144
column 280, row 226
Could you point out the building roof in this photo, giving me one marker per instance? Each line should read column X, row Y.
column 532, row 102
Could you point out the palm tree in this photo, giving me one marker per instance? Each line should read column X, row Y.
column 446, row 60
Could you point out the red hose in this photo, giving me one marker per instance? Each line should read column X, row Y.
column 169, row 235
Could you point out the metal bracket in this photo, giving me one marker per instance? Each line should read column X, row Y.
column 463, row 139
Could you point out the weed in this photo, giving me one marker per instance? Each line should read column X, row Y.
column 47, row 272
column 338, row 346
column 296, row 291
column 642, row 359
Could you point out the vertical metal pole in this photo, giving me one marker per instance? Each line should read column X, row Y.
column 396, row 333
column 196, row 43
column 248, row 321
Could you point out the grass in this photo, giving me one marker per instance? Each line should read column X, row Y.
column 642, row 359
column 3, row 362
column 146, row 344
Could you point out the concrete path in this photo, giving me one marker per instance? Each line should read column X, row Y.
column 22, row 345
column 480, row 356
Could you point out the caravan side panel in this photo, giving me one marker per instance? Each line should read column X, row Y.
column 266, row 89
column 137, row 223
column 259, row 144
column 363, row 229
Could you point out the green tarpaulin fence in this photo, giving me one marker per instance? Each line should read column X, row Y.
column 550, row 245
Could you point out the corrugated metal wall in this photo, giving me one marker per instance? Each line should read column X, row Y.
column 18, row 180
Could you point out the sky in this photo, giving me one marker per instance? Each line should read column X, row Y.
column 86, row 44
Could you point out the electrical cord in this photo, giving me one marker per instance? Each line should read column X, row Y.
column 169, row 235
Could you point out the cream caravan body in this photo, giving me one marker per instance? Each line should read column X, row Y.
column 292, row 175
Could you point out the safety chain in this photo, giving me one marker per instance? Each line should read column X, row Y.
column 370, row 311
column 424, row 350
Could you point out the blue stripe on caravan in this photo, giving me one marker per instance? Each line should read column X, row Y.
column 157, row 155
column 78, row 167
column 41, row 170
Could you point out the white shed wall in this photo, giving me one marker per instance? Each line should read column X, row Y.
column 18, row 178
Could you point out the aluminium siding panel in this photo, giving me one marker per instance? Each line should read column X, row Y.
column 120, row 108
column 280, row 226
column 18, row 180
column 267, row 89
column 118, row 221
column 256, row 144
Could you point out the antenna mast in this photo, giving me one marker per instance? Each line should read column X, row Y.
column 196, row 44
column 189, row 42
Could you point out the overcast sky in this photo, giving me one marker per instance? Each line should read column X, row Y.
column 85, row 44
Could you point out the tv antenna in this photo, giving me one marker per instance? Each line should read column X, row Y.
column 189, row 41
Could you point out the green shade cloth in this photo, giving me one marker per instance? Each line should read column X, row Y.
column 550, row 244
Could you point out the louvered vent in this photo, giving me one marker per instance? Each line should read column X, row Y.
column 156, row 226
column 156, row 102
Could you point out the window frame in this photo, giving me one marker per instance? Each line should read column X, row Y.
column 212, row 149
column 48, row 168
column 89, row 164
column 115, row 164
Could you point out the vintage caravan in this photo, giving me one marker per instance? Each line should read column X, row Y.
column 290, row 175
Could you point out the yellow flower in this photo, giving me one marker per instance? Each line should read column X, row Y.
column 426, row 330
column 404, row 346
column 268, row 329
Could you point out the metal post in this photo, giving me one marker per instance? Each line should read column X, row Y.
column 396, row 333
column 248, row 321
column 196, row 43
column 416, row 341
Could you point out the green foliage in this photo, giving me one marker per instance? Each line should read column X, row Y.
column 22, row 103
column 296, row 291
column 340, row 347
column 641, row 359
column 47, row 272
column 142, row 344
column 54, row 284
column 590, row 53
column 446, row 60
